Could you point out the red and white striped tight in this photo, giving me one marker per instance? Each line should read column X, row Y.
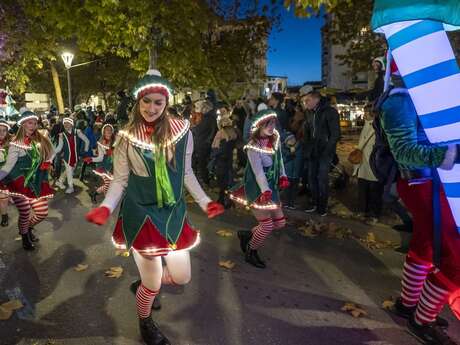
column 105, row 185
column 25, row 206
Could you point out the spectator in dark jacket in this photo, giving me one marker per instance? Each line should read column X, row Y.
column 321, row 134
column 204, row 133
column 124, row 104
column 379, row 68
column 275, row 102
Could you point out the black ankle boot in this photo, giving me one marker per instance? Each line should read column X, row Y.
column 253, row 258
column 407, row 312
column 93, row 196
column 245, row 237
column 4, row 220
column 429, row 333
column 27, row 243
column 32, row 237
column 156, row 302
column 150, row 332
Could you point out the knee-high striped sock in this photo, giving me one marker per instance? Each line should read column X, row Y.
column 279, row 223
column 104, row 187
column 144, row 301
column 431, row 301
column 260, row 233
column 414, row 275
column 23, row 206
column 166, row 278
column 40, row 208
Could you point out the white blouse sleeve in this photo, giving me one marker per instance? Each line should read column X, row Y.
column 120, row 176
column 84, row 138
column 256, row 164
column 100, row 154
column 13, row 154
column 191, row 183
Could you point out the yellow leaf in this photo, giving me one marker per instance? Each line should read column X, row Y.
column 18, row 238
column 228, row 264
column 388, row 304
column 80, row 267
column 7, row 308
column 124, row 253
column 5, row 314
column 114, row 272
column 13, row 304
column 354, row 309
column 224, row 233
column 370, row 238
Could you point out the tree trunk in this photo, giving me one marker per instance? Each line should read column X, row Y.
column 57, row 88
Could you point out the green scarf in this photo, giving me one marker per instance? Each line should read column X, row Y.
column 165, row 194
column 34, row 154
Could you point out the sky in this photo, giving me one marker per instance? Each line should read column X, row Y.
column 295, row 52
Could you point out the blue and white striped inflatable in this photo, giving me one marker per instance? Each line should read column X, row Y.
column 427, row 64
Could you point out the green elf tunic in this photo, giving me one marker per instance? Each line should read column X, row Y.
column 104, row 161
column 263, row 170
column 152, row 218
column 22, row 170
column 69, row 143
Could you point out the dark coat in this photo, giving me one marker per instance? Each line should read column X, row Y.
column 321, row 131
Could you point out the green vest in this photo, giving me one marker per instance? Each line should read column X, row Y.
column 272, row 173
column 140, row 201
column 28, row 166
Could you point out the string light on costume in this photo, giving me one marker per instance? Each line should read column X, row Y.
column 103, row 146
column 270, row 206
column 266, row 117
column 152, row 147
column 22, row 146
column 157, row 251
column 271, row 150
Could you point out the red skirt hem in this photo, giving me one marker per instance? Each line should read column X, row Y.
column 150, row 242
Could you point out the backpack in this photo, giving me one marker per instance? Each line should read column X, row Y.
column 381, row 160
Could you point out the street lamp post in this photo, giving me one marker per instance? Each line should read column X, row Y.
column 67, row 58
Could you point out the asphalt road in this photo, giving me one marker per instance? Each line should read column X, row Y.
column 297, row 300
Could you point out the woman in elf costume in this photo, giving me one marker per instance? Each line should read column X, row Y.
column 4, row 143
column 152, row 165
column 26, row 175
column 264, row 176
column 104, row 161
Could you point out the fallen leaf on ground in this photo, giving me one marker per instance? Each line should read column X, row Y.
column 114, row 272
column 353, row 309
column 18, row 238
column 388, row 304
column 307, row 231
column 224, row 233
column 228, row 264
column 7, row 308
column 80, row 267
column 372, row 243
column 123, row 253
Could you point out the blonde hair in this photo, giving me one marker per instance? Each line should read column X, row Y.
column 46, row 148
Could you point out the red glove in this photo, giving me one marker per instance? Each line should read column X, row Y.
column 98, row 215
column 214, row 209
column 265, row 197
column 283, row 182
column 45, row 166
column 87, row 160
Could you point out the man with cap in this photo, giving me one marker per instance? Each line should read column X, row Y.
column 69, row 142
